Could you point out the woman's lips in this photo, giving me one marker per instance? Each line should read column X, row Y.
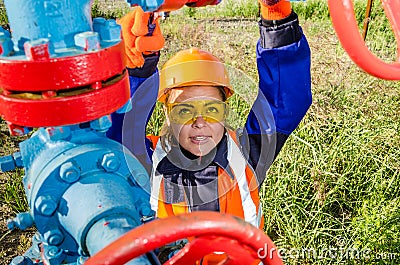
column 199, row 139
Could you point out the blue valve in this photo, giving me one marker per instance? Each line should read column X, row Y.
column 147, row 5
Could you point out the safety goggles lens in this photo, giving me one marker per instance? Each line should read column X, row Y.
column 187, row 112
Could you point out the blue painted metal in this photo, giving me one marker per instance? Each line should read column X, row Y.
column 147, row 5
column 56, row 20
column 22, row 221
column 21, row 260
column 6, row 44
column 65, row 25
column 11, row 162
column 83, row 189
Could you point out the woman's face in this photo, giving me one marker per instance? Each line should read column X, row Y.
column 199, row 137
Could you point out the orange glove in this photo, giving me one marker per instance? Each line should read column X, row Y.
column 135, row 27
column 275, row 9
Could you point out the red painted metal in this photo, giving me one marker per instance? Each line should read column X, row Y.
column 16, row 130
column 171, row 5
column 344, row 22
column 211, row 231
column 43, row 74
column 56, row 111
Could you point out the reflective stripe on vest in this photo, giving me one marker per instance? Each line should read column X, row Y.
column 238, row 164
column 248, row 189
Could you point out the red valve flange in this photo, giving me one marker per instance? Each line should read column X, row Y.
column 62, row 73
column 45, row 91
column 65, row 108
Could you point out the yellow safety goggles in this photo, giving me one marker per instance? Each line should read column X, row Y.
column 188, row 111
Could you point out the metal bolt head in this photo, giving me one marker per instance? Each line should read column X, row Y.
column 88, row 41
column 145, row 211
column 142, row 179
column 37, row 50
column 7, row 163
column 53, row 237
column 53, row 251
column 102, row 124
column 46, row 205
column 18, row 159
column 143, row 207
column 110, row 162
column 111, row 31
column 98, row 22
column 69, row 172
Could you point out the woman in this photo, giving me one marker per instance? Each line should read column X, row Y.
column 199, row 163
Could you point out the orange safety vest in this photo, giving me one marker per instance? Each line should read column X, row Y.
column 238, row 196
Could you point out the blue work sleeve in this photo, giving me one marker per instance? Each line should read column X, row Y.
column 284, row 96
column 130, row 128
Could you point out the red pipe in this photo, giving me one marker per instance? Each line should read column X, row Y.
column 344, row 22
column 212, row 231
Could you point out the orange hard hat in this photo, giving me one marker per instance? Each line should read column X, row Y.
column 193, row 67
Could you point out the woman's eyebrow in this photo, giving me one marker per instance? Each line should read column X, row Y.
column 210, row 102
column 184, row 104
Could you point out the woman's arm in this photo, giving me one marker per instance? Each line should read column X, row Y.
column 142, row 45
column 283, row 61
column 130, row 128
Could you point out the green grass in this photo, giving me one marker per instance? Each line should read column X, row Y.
column 3, row 14
column 14, row 194
column 115, row 9
column 336, row 182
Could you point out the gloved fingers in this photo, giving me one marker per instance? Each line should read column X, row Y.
column 149, row 43
column 155, row 42
column 126, row 23
column 134, row 28
column 275, row 9
column 134, row 58
column 140, row 26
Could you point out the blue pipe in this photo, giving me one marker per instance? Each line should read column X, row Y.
column 55, row 20
column 83, row 190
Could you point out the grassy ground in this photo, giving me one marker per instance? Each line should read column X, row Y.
column 335, row 185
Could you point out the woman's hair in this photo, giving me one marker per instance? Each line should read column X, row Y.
column 167, row 137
